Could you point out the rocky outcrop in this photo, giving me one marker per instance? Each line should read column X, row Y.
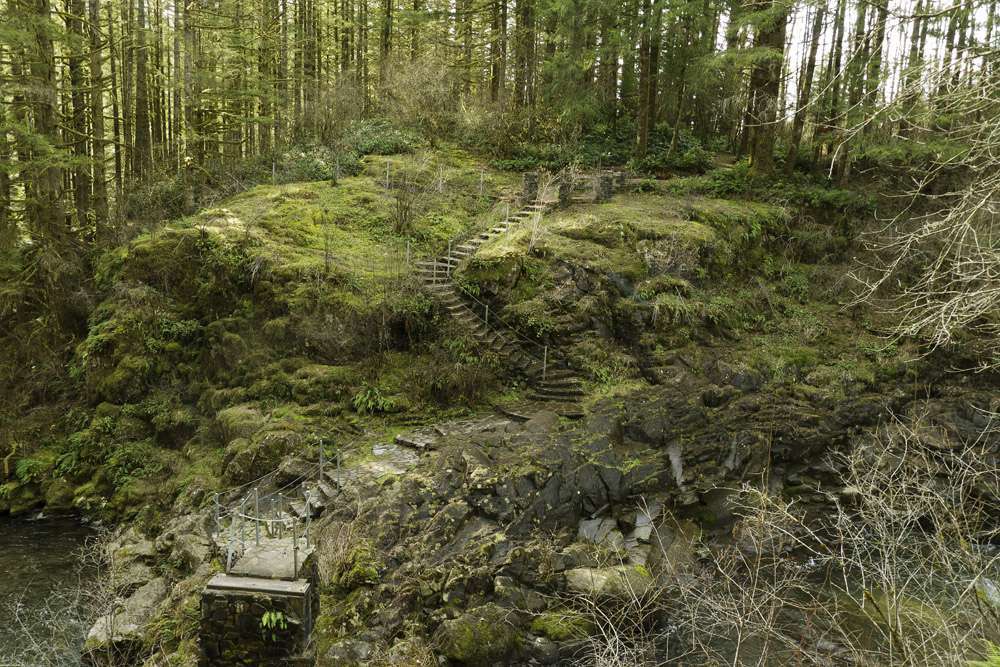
column 117, row 637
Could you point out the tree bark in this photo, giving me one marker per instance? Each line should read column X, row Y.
column 97, row 116
column 765, row 85
column 78, row 120
column 805, row 90
column 142, row 152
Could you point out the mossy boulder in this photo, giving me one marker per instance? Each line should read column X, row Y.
column 622, row 581
column 360, row 567
column 562, row 625
column 316, row 383
column 59, row 495
column 481, row 636
column 247, row 458
column 240, row 421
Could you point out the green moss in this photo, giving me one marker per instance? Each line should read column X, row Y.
column 562, row 624
column 481, row 636
column 361, row 567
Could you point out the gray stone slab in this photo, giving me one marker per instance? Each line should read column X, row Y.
column 225, row 582
column 273, row 559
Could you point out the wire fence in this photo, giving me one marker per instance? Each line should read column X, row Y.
column 277, row 513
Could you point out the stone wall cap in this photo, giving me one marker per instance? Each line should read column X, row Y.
column 225, row 582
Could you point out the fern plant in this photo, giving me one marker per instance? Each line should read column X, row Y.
column 271, row 623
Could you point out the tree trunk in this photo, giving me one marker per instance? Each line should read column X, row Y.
column 142, row 155
column 116, row 115
column 765, row 85
column 97, row 117
column 645, row 51
column 78, row 120
column 44, row 209
column 805, row 90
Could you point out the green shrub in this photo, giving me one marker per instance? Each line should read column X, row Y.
column 29, row 470
column 371, row 400
column 379, row 137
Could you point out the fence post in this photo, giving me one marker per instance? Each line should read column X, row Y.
column 448, row 268
column 407, row 252
column 295, row 553
column 487, row 318
column 281, row 523
column 321, row 459
column 482, row 181
column 274, row 518
column 338, row 471
column 545, row 361
column 243, row 526
column 387, row 174
column 256, row 514
column 308, row 515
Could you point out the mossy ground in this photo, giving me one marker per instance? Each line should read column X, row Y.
column 668, row 271
column 234, row 336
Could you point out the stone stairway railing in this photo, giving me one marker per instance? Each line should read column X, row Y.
column 551, row 377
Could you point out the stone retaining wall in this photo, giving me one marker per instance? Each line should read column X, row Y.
column 231, row 628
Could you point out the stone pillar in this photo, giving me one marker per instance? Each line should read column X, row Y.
column 605, row 187
column 248, row 620
column 566, row 186
column 529, row 189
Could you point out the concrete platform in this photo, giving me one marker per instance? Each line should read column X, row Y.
column 273, row 559
column 226, row 582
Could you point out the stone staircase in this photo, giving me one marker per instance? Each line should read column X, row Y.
column 550, row 377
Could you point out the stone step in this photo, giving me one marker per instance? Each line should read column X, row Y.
column 557, row 391
column 568, row 381
column 542, row 396
column 328, row 491
column 331, row 478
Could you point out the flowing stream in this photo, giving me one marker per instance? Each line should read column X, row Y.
column 42, row 616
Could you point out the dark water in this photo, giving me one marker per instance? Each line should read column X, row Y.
column 43, row 610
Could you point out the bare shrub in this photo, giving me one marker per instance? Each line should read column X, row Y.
column 898, row 573
column 936, row 263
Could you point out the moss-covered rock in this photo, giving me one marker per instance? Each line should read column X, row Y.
column 562, row 624
column 481, row 636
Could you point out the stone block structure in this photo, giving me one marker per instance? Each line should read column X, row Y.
column 605, row 187
column 529, row 187
column 260, row 618
column 566, row 187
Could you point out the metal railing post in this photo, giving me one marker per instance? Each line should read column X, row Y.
column 281, row 522
column 448, row 267
column 407, row 252
column 338, row 471
column 243, row 525
column 256, row 514
column 308, row 515
column 274, row 518
column 545, row 361
column 218, row 512
column 486, row 318
column 321, row 459
column 295, row 553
